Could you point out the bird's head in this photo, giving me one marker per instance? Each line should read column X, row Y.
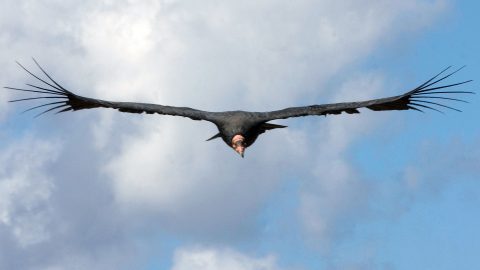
column 238, row 144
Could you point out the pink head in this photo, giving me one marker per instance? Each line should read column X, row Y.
column 238, row 144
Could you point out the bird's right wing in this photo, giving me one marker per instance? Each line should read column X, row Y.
column 63, row 100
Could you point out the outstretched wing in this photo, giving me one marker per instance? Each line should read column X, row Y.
column 428, row 95
column 63, row 100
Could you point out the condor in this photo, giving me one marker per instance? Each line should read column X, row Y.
column 240, row 129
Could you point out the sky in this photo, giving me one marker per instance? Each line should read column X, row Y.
column 99, row 189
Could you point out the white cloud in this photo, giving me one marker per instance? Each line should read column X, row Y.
column 337, row 193
column 223, row 56
column 183, row 184
column 25, row 188
column 106, row 259
column 3, row 100
column 118, row 170
column 213, row 259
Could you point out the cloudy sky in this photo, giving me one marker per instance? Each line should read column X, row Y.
column 104, row 190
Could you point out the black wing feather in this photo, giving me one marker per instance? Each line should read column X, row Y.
column 412, row 100
column 408, row 101
column 72, row 102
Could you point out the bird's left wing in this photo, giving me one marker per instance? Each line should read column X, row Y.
column 428, row 95
column 63, row 100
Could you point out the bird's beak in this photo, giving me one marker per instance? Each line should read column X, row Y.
column 240, row 149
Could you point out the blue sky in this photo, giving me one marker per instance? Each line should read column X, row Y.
column 104, row 190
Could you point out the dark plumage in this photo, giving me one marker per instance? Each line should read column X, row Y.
column 240, row 129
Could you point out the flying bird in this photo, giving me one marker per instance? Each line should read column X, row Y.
column 240, row 129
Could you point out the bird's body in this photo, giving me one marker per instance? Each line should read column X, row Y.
column 240, row 129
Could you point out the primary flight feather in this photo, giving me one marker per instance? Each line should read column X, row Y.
column 240, row 129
